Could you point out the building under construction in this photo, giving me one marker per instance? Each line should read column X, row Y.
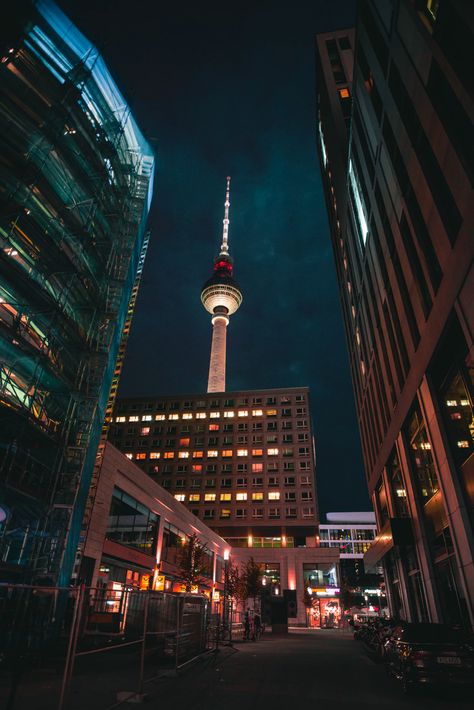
column 76, row 180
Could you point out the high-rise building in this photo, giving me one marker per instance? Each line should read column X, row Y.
column 395, row 143
column 76, row 179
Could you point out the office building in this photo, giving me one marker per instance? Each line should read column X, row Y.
column 76, row 179
column 395, row 144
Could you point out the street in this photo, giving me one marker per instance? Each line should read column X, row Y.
column 321, row 668
column 313, row 668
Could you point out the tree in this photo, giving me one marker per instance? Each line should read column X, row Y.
column 193, row 562
column 252, row 579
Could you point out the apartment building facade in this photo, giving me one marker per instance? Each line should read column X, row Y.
column 244, row 464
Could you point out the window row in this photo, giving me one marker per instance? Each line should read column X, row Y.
column 257, row 513
column 212, row 439
column 202, row 404
column 256, row 482
column 215, row 453
column 225, row 497
column 226, row 414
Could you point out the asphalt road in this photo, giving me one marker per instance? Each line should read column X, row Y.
column 307, row 669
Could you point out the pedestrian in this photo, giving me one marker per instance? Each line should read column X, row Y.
column 247, row 622
column 257, row 626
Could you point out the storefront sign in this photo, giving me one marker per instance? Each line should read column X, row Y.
column 160, row 583
column 216, row 595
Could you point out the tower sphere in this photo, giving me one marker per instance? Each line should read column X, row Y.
column 221, row 293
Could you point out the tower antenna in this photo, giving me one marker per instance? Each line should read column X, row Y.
column 225, row 230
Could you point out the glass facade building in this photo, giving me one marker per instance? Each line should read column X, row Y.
column 76, row 179
column 395, row 143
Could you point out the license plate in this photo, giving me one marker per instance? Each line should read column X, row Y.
column 449, row 660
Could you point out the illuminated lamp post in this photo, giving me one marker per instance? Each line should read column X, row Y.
column 225, row 609
column 221, row 297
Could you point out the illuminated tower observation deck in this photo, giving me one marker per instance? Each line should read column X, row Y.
column 221, row 296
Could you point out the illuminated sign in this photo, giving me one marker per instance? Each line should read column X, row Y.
column 216, row 596
column 160, row 583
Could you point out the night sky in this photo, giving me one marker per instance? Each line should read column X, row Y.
column 220, row 90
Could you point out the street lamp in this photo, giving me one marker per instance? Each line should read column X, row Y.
column 226, row 584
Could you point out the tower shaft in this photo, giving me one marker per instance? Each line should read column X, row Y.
column 216, row 380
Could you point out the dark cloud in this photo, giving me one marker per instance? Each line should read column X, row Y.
column 229, row 89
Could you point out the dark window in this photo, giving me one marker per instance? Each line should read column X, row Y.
column 344, row 43
column 375, row 35
column 454, row 118
column 415, row 264
column 434, row 176
column 132, row 524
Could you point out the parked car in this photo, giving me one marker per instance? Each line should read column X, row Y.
column 429, row 654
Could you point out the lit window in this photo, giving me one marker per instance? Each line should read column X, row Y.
column 146, row 418
column 227, row 453
column 194, row 497
column 168, row 455
column 449, row 402
column 196, row 467
column 133, row 418
column 344, row 93
column 173, row 416
column 241, row 496
column 321, row 142
column 257, row 496
column 120, row 419
column 155, row 454
column 160, row 417
column 129, row 456
column 226, row 496
column 144, row 431
column 272, row 452
column 229, row 415
column 359, row 205
column 209, row 496
column 242, row 413
column 242, row 452
column 225, row 513
column 201, row 415
column 198, row 454
column 183, row 454
column 180, row 496
column 257, row 467
column 464, row 402
column 271, row 412
column 215, row 415
column 213, row 427
column 212, row 454
column 257, row 452
column 463, row 444
column 187, row 415
column 140, row 457
column 274, row 495
column 257, row 412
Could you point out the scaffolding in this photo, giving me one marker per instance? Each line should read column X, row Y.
column 76, row 180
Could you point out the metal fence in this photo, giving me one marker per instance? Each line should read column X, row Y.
column 61, row 647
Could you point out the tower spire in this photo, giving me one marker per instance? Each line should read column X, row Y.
column 225, row 230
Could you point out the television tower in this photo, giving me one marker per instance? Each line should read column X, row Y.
column 221, row 296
